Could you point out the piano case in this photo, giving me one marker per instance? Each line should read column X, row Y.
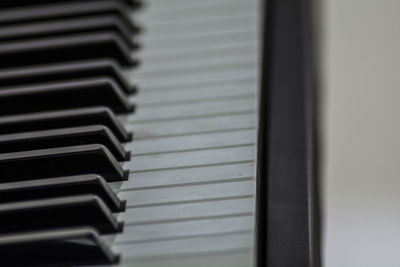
column 288, row 220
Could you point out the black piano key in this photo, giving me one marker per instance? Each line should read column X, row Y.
column 61, row 187
column 66, row 48
column 64, row 161
column 17, row 3
column 61, row 85
column 64, row 118
column 60, row 247
column 82, row 8
column 69, row 26
column 53, row 213
column 63, row 71
column 95, row 134
column 64, row 95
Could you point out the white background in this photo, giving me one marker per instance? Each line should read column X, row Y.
column 361, row 82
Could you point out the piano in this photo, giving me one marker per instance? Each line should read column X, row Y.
column 157, row 133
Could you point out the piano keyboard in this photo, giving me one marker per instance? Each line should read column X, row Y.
column 128, row 132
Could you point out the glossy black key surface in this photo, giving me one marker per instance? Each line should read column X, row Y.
column 61, row 247
column 112, row 23
column 63, row 95
column 66, row 71
column 61, row 83
column 61, row 187
column 64, row 161
column 53, row 213
column 96, row 134
column 66, row 48
column 82, row 8
column 64, row 118
column 16, row 3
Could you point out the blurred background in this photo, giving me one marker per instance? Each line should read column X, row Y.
column 360, row 41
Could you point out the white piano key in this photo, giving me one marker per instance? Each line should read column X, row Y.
column 196, row 77
column 171, row 24
column 188, row 211
column 194, row 94
column 191, row 142
column 168, row 4
column 201, row 25
column 235, row 258
column 145, row 114
column 216, row 82
column 211, row 50
column 191, row 158
column 198, row 10
column 194, row 125
column 195, row 40
column 186, row 229
column 188, row 193
column 199, row 175
column 182, row 68
column 176, row 248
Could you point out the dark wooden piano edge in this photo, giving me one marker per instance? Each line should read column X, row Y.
column 288, row 227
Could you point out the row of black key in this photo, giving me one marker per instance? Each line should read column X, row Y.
column 61, row 86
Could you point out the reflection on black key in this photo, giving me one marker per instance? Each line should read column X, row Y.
column 61, row 187
column 15, row 3
column 53, row 213
column 63, row 95
column 65, row 10
column 64, row 118
column 65, row 71
column 96, row 134
column 62, row 247
column 64, row 161
column 67, row 26
column 68, row 48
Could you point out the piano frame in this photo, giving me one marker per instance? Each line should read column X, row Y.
column 287, row 212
